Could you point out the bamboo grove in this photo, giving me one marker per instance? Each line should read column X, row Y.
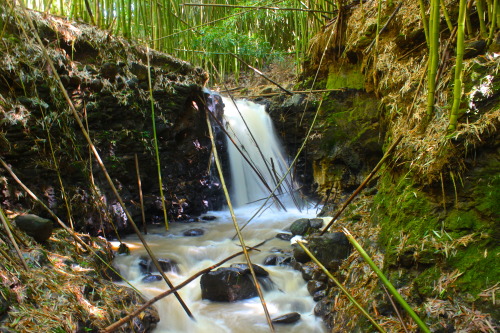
column 230, row 34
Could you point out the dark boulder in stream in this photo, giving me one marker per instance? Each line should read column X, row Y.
column 231, row 284
column 330, row 249
column 147, row 266
column 288, row 318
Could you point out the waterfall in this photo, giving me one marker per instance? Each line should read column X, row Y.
column 251, row 128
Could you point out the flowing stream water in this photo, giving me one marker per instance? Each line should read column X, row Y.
column 196, row 253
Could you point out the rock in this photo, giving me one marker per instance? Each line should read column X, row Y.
column 123, row 249
column 316, row 223
column 167, row 265
column 319, row 295
column 194, row 232
column 37, row 227
column 300, row 227
column 230, row 284
column 330, row 249
column 208, row 218
column 323, row 308
column 259, row 271
column 270, row 260
column 314, row 286
column 278, row 260
column 284, row 236
column 307, row 271
column 288, row 318
column 151, row 278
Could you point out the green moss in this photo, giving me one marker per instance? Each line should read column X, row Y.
column 350, row 76
column 459, row 221
column 479, row 267
column 424, row 282
column 403, row 208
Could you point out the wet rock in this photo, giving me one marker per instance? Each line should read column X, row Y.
column 300, row 227
column 288, row 318
column 323, row 308
column 316, row 223
column 319, row 295
column 307, row 271
column 230, row 284
column 330, row 249
column 270, row 260
column 194, row 232
column 123, row 249
column 279, row 260
column 259, row 271
column 208, row 218
column 284, row 236
column 37, row 227
column 147, row 266
column 314, row 286
column 151, row 278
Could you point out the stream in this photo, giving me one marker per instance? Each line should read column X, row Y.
column 192, row 254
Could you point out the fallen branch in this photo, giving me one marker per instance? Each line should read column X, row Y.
column 135, row 313
column 363, row 184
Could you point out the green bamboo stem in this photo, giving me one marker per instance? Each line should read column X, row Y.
column 424, row 21
column 446, row 16
column 481, row 15
column 256, row 7
column 494, row 21
column 235, row 223
column 434, row 56
column 12, row 239
column 457, row 88
column 386, row 282
column 157, row 153
column 341, row 287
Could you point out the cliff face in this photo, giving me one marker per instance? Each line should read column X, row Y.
column 107, row 80
column 430, row 218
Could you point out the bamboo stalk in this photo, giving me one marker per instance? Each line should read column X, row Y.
column 494, row 21
column 99, row 160
column 144, row 226
column 446, row 16
column 341, row 287
column 236, row 226
column 363, row 184
column 11, row 237
column 424, row 21
column 386, row 282
column 157, row 153
column 113, row 327
column 434, row 56
column 482, row 18
column 457, row 88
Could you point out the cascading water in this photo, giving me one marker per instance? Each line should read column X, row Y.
column 196, row 253
column 252, row 130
